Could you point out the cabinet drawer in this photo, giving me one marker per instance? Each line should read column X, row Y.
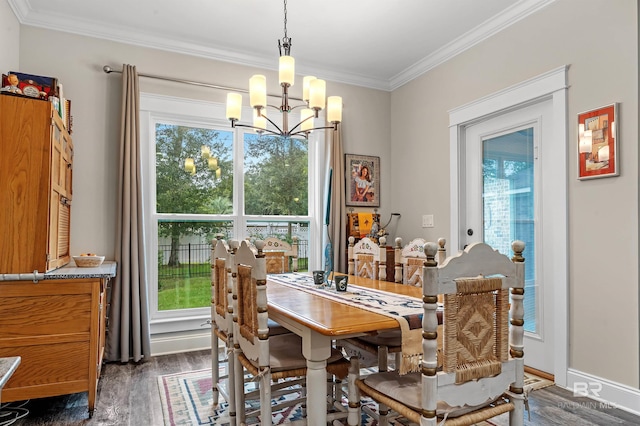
column 50, row 315
column 47, row 370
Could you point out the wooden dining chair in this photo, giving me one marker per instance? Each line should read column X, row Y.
column 368, row 259
column 281, row 256
column 482, row 372
column 409, row 260
column 267, row 359
column 222, row 323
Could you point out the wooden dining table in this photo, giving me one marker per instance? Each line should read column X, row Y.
column 320, row 321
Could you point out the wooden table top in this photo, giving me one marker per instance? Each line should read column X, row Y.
column 330, row 317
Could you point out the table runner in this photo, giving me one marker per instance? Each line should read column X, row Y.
column 405, row 309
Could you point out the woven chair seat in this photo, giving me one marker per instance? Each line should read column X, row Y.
column 391, row 338
column 406, row 391
column 286, row 353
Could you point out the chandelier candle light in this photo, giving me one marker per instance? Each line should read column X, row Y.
column 313, row 95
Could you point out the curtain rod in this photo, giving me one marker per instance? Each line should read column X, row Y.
column 107, row 69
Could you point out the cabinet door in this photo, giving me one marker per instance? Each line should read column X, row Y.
column 25, row 127
column 61, row 151
column 60, row 199
column 67, row 164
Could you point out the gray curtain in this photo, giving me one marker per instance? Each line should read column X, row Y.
column 336, row 229
column 128, row 336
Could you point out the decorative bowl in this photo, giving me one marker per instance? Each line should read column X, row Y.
column 88, row 260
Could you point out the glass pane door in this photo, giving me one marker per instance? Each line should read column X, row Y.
column 508, row 203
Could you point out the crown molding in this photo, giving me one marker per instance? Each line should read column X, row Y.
column 57, row 22
column 508, row 17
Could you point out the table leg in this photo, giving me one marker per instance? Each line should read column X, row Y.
column 316, row 348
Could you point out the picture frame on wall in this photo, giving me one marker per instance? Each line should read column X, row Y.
column 598, row 154
column 363, row 180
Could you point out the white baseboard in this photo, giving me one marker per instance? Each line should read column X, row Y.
column 607, row 393
column 172, row 343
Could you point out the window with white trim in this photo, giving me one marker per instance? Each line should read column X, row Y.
column 202, row 179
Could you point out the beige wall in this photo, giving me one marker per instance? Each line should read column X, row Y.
column 603, row 213
column 9, row 39
column 95, row 107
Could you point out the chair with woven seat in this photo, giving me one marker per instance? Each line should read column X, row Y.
column 222, row 323
column 266, row 358
column 482, row 373
column 368, row 259
column 279, row 254
column 410, row 259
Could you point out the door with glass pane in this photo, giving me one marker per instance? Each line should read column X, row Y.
column 504, row 194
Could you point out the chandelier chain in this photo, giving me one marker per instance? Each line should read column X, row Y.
column 285, row 19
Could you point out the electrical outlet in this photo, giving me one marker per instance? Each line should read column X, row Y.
column 427, row 221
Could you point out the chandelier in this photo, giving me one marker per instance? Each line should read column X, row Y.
column 314, row 94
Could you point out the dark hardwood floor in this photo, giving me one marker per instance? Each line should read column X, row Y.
column 128, row 395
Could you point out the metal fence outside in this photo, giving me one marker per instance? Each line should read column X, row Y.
column 194, row 260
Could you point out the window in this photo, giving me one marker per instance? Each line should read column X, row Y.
column 204, row 179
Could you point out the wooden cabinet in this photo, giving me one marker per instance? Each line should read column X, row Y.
column 36, row 157
column 57, row 326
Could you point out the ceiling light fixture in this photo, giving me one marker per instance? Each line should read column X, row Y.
column 314, row 90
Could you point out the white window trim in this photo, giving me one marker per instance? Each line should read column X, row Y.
column 154, row 108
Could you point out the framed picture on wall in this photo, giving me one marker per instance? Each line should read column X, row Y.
column 598, row 143
column 363, row 180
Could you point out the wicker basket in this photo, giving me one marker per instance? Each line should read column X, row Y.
column 88, row 261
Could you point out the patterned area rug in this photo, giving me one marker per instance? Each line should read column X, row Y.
column 187, row 400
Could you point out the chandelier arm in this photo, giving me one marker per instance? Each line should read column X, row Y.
column 305, row 105
column 299, row 132
column 259, row 129
column 292, row 132
column 274, row 125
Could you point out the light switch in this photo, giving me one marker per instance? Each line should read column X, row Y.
column 427, row 221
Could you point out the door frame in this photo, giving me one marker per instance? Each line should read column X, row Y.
column 550, row 85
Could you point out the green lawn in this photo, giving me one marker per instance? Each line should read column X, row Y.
column 184, row 293
column 179, row 288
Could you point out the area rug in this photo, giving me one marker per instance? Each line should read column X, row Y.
column 187, row 400
column 533, row 382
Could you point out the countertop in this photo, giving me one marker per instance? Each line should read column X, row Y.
column 106, row 270
column 7, row 366
column 69, row 271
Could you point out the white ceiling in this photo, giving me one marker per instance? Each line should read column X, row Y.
column 373, row 43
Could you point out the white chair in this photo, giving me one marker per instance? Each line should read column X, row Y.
column 279, row 254
column 482, row 374
column 410, row 259
column 368, row 259
column 222, row 323
column 266, row 358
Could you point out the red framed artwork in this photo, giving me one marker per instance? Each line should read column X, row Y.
column 598, row 143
